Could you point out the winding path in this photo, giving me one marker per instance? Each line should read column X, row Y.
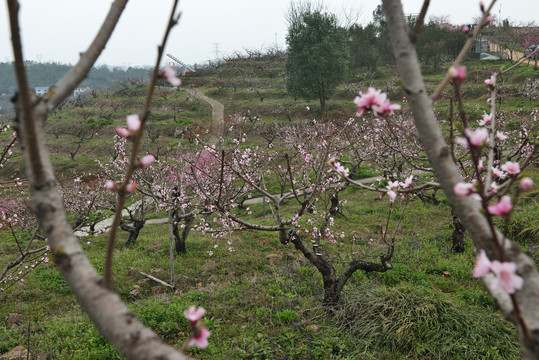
column 217, row 114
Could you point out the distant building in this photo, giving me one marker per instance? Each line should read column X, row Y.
column 79, row 91
column 41, row 90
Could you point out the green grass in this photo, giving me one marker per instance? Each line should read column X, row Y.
column 427, row 307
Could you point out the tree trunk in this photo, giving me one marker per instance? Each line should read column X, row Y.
column 134, row 230
column 322, row 105
column 180, row 240
column 468, row 210
column 334, row 207
column 457, row 237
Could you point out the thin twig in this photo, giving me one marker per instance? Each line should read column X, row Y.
column 419, row 21
column 134, row 153
column 436, row 94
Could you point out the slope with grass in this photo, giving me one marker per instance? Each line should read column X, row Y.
column 263, row 300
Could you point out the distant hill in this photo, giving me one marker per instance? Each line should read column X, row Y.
column 46, row 74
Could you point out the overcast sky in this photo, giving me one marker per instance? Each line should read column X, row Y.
column 57, row 30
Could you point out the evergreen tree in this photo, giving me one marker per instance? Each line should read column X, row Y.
column 317, row 57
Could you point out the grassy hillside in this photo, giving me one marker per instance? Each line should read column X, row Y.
column 264, row 300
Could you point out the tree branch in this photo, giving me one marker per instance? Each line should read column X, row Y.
column 467, row 209
column 103, row 306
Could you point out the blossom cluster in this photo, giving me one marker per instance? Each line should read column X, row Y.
column 395, row 185
column 199, row 335
column 504, row 272
column 376, row 101
column 337, row 167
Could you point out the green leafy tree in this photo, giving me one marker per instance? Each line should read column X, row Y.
column 318, row 55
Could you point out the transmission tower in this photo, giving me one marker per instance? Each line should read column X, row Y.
column 184, row 67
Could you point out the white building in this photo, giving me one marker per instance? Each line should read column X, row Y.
column 41, row 90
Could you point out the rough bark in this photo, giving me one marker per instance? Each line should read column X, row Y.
column 457, row 237
column 467, row 209
column 334, row 284
column 103, row 306
column 180, row 239
column 133, row 229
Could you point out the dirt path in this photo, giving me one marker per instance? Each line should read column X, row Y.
column 217, row 114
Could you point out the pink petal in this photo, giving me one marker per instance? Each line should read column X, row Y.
column 194, row 314
column 111, row 185
column 133, row 123
column 506, row 276
column 482, row 265
column 146, row 160
column 526, row 184
column 201, row 340
column 463, row 189
column 131, row 187
column 123, row 132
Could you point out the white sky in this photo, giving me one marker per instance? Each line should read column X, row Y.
column 57, row 30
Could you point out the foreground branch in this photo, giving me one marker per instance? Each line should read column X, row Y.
column 103, row 306
column 467, row 209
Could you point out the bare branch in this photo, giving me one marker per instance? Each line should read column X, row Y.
column 467, row 209
column 463, row 52
column 419, row 21
column 103, row 306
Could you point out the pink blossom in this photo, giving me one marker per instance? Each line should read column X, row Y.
column 133, row 126
column 307, row 108
column 480, row 166
column 500, row 136
column 502, row 208
column 482, row 6
column 512, row 168
column 465, row 29
column 338, row 167
column 490, row 20
column 385, row 108
column 458, row 73
column 494, row 187
column 477, row 137
column 506, row 276
column 526, row 184
column 476, row 196
column 200, row 338
column 366, row 101
column 146, row 161
column 463, row 189
column 392, row 185
column 482, row 265
column 491, row 81
column 193, row 314
column 133, row 123
column 485, row 120
column 129, row 188
column 498, row 173
column 123, row 132
column 392, row 195
column 170, row 74
column 111, row 185
column 407, row 182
